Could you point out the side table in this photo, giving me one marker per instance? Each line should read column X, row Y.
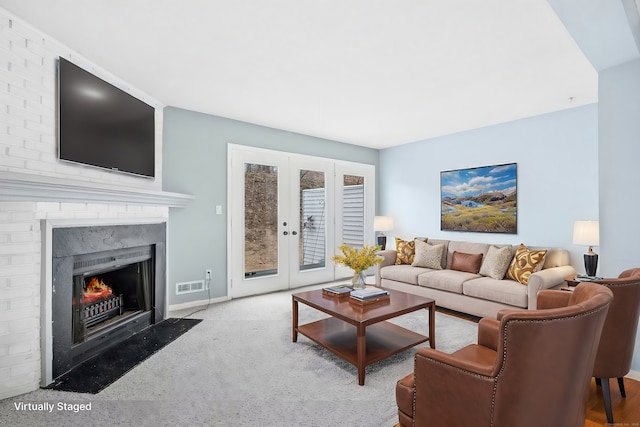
column 571, row 281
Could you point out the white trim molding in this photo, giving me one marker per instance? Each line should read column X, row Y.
column 634, row 375
column 35, row 188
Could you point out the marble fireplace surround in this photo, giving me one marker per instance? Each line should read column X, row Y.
column 62, row 239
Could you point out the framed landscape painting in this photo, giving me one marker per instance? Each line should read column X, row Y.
column 482, row 199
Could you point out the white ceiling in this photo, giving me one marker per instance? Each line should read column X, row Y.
column 375, row 73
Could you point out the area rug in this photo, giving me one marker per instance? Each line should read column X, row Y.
column 100, row 371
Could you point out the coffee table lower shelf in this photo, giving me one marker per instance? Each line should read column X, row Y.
column 383, row 339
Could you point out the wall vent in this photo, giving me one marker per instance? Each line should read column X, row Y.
column 188, row 287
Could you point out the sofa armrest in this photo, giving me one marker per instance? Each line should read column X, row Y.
column 388, row 258
column 546, row 279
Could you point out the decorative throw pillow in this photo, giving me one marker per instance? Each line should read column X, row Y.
column 525, row 263
column 428, row 256
column 496, row 262
column 405, row 251
column 466, row 262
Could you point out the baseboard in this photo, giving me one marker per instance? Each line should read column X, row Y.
column 192, row 304
column 634, row 375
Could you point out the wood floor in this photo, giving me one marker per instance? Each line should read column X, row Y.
column 626, row 411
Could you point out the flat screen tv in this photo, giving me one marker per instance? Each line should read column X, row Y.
column 101, row 125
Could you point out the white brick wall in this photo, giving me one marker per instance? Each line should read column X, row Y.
column 28, row 146
column 28, row 107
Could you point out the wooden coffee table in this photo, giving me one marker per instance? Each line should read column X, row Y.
column 361, row 335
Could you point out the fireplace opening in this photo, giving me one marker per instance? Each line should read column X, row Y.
column 103, row 298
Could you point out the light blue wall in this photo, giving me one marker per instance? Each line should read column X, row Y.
column 557, row 178
column 619, row 119
column 195, row 162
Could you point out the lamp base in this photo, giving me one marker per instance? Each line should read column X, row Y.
column 591, row 264
column 382, row 241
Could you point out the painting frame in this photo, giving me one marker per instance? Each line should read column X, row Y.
column 482, row 199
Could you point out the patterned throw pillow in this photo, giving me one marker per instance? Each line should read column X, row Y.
column 469, row 263
column 428, row 256
column 405, row 251
column 496, row 263
column 525, row 263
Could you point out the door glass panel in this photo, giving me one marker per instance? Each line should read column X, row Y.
column 260, row 220
column 353, row 210
column 312, row 219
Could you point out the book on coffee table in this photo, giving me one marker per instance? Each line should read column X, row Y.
column 368, row 294
column 369, row 297
column 338, row 291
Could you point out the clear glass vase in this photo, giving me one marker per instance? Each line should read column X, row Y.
column 359, row 280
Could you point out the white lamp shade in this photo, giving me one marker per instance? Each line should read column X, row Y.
column 586, row 233
column 382, row 223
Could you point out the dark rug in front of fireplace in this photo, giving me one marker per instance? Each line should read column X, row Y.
column 100, row 371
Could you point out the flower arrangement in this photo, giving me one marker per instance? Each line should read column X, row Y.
column 358, row 260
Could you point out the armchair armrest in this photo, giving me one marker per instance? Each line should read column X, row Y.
column 489, row 333
column 451, row 383
column 546, row 279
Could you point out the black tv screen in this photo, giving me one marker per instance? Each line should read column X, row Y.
column 101, row 125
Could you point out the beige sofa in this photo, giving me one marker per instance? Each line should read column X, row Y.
column 472, row 293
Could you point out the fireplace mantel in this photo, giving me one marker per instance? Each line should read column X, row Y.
column 35, row 188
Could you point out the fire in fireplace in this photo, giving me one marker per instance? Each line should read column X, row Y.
column 99, row 302
column 109, row 289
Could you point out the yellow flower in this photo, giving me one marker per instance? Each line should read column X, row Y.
column 358, row 260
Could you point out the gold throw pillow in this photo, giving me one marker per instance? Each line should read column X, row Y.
column 525, row 263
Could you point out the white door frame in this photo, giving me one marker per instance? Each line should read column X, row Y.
column 334, row 213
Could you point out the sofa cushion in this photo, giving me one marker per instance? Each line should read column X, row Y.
column 402, row 273
column 496, row 262
column 470, row 263
column 428, row 256
column 525, row 262
column 466, row 247
column 405, row 251
column 446, row 280
column 502, row 291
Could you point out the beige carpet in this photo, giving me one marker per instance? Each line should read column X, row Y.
column 239, row 367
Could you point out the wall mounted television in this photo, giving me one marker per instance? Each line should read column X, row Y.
column 103, row 126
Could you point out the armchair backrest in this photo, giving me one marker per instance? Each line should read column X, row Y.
column 545, row 360
column 615, row 351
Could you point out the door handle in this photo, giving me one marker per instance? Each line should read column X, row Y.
column 295, row 233
column 286, row 233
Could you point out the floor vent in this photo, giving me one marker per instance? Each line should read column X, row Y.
column 188, row 287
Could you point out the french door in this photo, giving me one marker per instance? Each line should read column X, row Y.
column 283, row 211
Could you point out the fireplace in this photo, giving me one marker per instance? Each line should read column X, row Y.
column 108, row 282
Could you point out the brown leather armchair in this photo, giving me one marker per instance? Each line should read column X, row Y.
column 529, row 368
column 615, row 350
column 617, row 342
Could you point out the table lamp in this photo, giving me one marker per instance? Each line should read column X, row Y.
column 380, row 224
column 588, row 233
